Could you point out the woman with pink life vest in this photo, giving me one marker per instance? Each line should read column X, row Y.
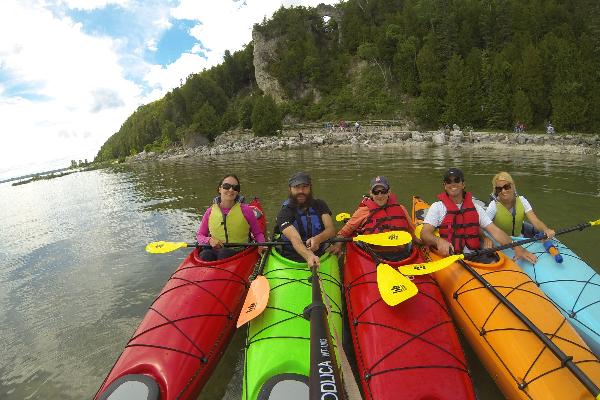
column 459, row 220
column 378, row 212
column 228, row 220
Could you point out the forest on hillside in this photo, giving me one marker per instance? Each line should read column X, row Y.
column 484, row 63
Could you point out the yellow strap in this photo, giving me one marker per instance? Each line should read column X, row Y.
column 164, row 247
column 394, row 287
column 596, row 222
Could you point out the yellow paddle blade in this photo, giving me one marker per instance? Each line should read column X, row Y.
column 164, row 247
column 394, row 287
column 596, row 222
column 256, row 300
column 390, row 239
column 430, row 267
column 342, row 217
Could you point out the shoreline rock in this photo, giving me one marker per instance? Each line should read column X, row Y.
column 375, row 136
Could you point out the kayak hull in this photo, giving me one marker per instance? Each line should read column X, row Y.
column 572, row 285
column 187, row 328
column 519, row 362
column 410, row 351
column 278, row 342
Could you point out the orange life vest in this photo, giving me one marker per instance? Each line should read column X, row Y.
column 389, row 217
column 460, row 226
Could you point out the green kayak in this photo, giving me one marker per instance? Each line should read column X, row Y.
column 278, row 343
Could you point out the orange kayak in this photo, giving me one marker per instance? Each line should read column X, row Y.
column 522, row 364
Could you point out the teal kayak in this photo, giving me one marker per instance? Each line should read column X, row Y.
column 572, row 285
column 277, row 358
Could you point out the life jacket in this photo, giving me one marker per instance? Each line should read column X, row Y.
column 460, row 226
column 389, row 217
column 307, row 223
column 230, row 228
column 509, row 222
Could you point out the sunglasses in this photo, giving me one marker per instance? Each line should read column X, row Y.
column 452, row 180
column 227, row 186
column 380, row 191
column 505, row 187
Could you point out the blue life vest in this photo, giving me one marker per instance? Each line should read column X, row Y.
column 307, row 223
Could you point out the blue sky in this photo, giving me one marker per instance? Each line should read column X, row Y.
column 72, row 71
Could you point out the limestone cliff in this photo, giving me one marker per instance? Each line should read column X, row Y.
column 265, row 51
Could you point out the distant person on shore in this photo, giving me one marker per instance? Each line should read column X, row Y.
column 459, row 221
column 508, row 210
column 356, row 126
column 303, row 223
column 228, row 220
column 550, row 129
column 378, row 212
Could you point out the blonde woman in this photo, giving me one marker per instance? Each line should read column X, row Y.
column 508, row 209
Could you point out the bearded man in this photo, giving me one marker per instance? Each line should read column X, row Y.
column 303, row 223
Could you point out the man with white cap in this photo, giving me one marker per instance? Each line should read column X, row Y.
column 459, row 221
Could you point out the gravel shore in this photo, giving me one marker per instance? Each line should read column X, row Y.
column 245, row 141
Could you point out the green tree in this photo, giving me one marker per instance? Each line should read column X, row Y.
column 522, row 108
column 266, row 120
column 206, row 121
column 499, row 102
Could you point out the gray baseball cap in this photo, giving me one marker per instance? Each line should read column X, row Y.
column 299, row 178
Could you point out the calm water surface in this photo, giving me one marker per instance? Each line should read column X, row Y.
column 75, row 280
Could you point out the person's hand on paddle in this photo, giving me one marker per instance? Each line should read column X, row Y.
column 313, row 244
column 215, row 243
column 262, row 249
column 312, row 259
column 549, row 233
column 444, row 248
column 336, row 249
column 523, row 254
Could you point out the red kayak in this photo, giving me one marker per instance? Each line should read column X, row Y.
column 185, row 332
column 409, row 351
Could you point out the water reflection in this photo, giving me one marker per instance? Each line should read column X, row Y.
column 75, row 281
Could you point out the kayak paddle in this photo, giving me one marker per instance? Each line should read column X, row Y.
column 257, row 296
column 324, row 375
column 389, row 239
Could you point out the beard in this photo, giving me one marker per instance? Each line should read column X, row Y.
column 304, row 202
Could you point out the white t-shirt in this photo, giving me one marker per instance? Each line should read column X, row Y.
column 437, row 212
column 491, row 208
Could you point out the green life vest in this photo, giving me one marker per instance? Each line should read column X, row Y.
column 232, row 228
column 507, row 221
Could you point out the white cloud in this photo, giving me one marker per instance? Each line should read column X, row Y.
column 80, row 87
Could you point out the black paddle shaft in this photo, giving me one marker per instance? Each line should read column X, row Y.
column 564, row 359
column 476, row 253
column 324, row 380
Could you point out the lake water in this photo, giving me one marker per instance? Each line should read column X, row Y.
column 75, row 279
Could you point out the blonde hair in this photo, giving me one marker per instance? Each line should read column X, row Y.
column 502, row 176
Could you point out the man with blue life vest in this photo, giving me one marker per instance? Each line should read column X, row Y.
column 459, row 221
column 303, row 223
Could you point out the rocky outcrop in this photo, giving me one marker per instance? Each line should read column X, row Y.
column 325, row 10
column 264, row 52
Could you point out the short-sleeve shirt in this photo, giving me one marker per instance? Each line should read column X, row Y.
column 437, row 212
column 287, row 215
column 491, row 208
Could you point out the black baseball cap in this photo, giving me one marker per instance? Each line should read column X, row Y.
column 299, row 178
column 454, row 172
column 379, row 181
